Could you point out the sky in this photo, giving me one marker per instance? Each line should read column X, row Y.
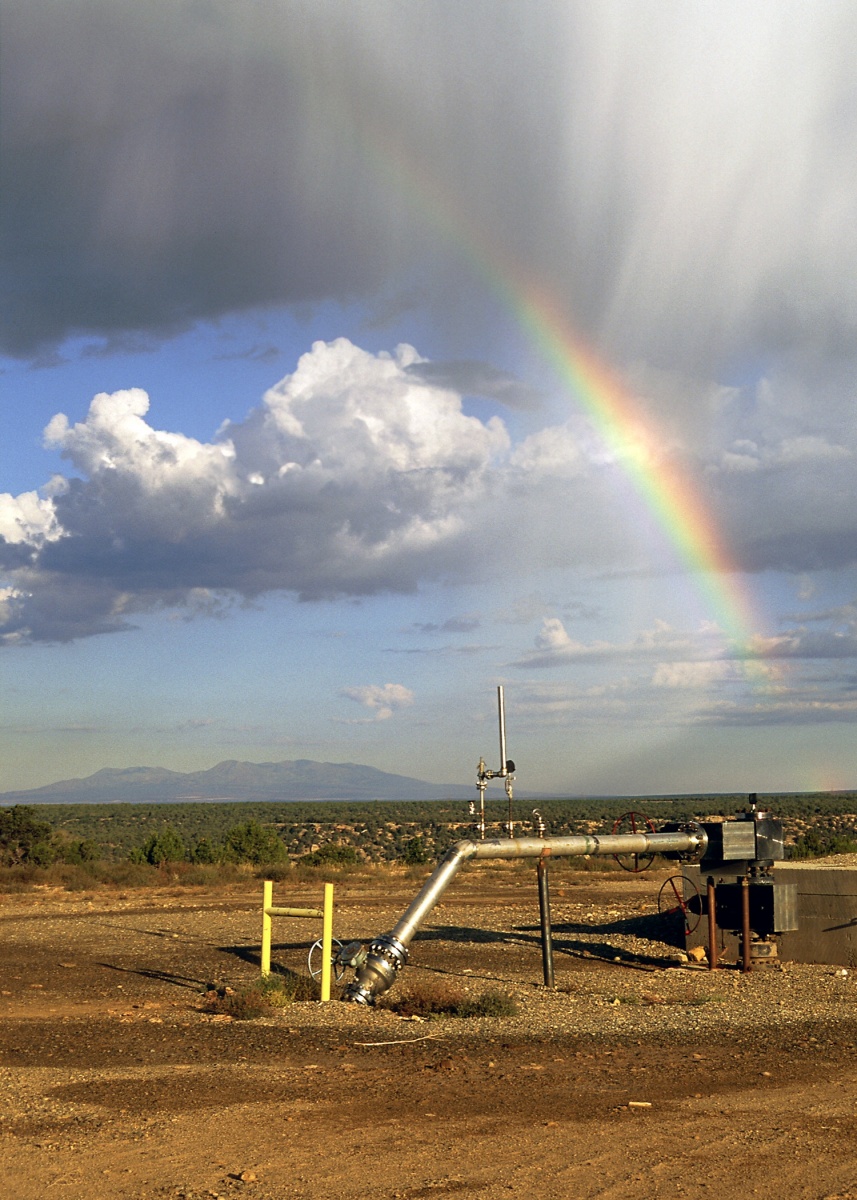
column 359, row 357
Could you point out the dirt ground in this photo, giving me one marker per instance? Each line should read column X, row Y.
column 637, row 1077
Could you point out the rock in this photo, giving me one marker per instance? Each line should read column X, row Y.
column 697, row 954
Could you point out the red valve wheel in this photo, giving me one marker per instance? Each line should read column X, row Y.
column 681, row 895
column 634, row 822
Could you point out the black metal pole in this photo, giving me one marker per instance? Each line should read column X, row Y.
column 746, row 960
column 711, row 895
column 545, row 917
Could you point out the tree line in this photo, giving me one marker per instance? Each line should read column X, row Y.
column 332, row 833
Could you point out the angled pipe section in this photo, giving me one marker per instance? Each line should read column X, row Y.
column 388, row 953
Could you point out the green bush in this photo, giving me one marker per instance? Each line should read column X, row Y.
column 818, row 843
column 331, row 855
column 415, row 853
column 164, row 847
column 23, row 838
column 205, row 852
column 253, row 843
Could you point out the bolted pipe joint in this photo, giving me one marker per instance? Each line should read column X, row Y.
column 386, row 956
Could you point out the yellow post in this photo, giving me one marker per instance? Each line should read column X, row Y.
column 327, row 941
column 267, row 902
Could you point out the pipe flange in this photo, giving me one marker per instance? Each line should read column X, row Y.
column 695, row 853
column 386, row 956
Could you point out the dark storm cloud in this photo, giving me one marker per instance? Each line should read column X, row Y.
column 161, row 165
column 680, row 176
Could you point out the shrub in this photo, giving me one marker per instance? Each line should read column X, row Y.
column 818, row 843
column 204, row 852
column 415, row 853
column 331, row 855
column 450, row 1000
column 78, row 852
column 253, row 843
column 164, row 847
column 23, row 838
column 262, row 997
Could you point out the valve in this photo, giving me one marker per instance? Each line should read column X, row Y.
column 634, row 822
column 314, row 960
column 679, row 894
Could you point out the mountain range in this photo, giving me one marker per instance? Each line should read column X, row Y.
column 289, row 781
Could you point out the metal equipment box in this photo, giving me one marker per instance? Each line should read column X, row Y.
column 754, row 838
column 773, row 906
column 729, row 841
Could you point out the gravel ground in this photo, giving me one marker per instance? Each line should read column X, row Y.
column 637, row 1076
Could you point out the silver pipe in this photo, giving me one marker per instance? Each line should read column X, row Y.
column 389, row 953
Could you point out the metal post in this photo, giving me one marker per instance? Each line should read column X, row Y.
column 501, row 713
column 711, row 895
column 545, row 918
column 267, row 903
column 327, row 941
column 746, row 961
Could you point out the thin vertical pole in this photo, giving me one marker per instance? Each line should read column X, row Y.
column 545, row 917
column 501, row 713
column 746, row 961
column 327, row 941
column 712, row 924
column 267, row 903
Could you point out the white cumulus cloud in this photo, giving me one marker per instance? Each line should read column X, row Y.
column 382, row 699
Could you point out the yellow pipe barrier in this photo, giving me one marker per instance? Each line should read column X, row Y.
column 326, row 915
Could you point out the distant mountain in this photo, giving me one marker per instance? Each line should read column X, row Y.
column 300, row 779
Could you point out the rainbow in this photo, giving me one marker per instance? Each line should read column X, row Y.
column 668, row 493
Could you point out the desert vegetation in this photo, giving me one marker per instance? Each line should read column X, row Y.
column 77, row 845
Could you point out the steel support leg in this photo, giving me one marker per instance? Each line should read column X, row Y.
column 545, row 918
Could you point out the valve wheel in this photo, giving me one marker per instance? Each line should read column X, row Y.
column 634, row 822
column 314, row 960
column 679, row 894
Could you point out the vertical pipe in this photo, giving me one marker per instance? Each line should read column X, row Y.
column 501, row 712
column 267, row 903
column 545, row 918
column 711, row 896
column 746, row 962
column 326, row 941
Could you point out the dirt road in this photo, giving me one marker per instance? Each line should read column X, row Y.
column 636, row 1078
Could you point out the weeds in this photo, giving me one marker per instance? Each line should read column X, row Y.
column 262, row 997
column 81, row 877
column 448, row 1000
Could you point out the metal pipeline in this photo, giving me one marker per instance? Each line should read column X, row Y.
column 388, row 953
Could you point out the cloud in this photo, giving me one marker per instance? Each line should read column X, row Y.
column 355, row 476
column 696, row 675
column 352, row 477
column 694, row 173
column 554, row 647
column 479, row 379
column 382, row 699
column 450, row 625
